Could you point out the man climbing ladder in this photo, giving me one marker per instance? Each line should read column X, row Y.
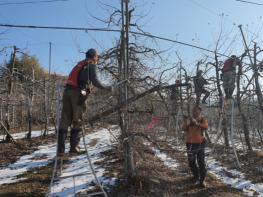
column 229, row 75
column 76, row 92
column 199, row 83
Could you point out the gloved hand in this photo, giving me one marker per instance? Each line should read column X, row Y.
column 193, row 122
column 82, row 96
column 83, row 92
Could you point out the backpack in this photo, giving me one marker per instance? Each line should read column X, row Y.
column 73, row 76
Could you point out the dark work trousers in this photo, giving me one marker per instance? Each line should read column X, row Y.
column 71, row 116
column 72, row 110
column 196, row 155
column 199, row 92
column 229, row 79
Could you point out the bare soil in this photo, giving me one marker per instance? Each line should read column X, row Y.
column 251, row 162
column 153, row 179
column 10, row 152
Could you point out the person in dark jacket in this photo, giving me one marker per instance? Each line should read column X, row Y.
column 199, row 83
column 74, row 96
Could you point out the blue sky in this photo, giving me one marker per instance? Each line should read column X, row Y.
column 193, row 21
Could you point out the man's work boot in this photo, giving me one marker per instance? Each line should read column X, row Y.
column 201, row 183
column 195, row 180
column 204, row 102
column 74, row 141
column 231, row 91
column 62, row 135
column 205, row 97
column 227, row 93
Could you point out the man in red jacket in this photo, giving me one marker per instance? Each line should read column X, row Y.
column 194, row 128
column 74, row 96
column 229, row 75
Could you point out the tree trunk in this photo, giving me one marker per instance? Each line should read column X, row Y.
column 30, row 105
column 129, row 165
column 10, row 88
column 29, row 117
column 224, row 120
column 45, row 109
column 243, row 117
column 256, row 76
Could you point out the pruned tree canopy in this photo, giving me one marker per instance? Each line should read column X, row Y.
column 24, row 67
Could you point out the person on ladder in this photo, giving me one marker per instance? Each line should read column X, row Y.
column 229, row 75
column 75, row 93
column 194, row 128
column 175, row 95
column 199, row 82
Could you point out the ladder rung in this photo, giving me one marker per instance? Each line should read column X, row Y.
column 73, row 175
column 95, row 193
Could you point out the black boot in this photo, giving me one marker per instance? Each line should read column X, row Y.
column 201, row 183
column 231, row 90
column 74, row 140
column 205, row 97
column 227, row 93
column 62, row 135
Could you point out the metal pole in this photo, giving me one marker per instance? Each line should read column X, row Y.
column 49, row 62
column 48, row 85
column 245, row 43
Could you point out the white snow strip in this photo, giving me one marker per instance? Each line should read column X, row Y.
column 168, row 161
column 234, row 178
column 22, row 135
column 79, row 165
column 9, row 174
column 45, row 155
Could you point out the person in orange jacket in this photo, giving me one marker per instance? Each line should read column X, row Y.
column 194, row 128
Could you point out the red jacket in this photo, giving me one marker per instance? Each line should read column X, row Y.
column 73, row 76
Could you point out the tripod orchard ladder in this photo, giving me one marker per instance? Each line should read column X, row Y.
column 232, row 131
column 220, row 131
column 56, row 174
column 177, row 125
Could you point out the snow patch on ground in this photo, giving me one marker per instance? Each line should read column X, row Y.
column 78, row 164
column 67, row 187
column 9, row 174
column 168, row 161
column 22, row 135
column 234, row 178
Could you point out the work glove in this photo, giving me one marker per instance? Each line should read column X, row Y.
column 83, row 96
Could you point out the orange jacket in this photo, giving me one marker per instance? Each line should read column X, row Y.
column 194, row 133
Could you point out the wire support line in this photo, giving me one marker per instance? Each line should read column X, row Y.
column 113, row 30
column 250, row 2
column 32, row 2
